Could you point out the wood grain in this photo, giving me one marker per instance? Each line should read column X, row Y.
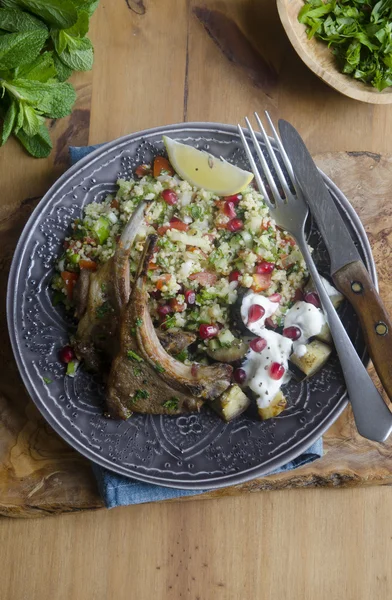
column 40, row 474
column 319, row 58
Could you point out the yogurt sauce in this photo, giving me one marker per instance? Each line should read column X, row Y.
column 258, row 327
column 309, row 319
column 257, row 366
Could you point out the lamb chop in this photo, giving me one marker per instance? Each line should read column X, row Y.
column 99, row 298
column 144, row 377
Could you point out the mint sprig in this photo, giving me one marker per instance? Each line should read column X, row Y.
column 41, row 43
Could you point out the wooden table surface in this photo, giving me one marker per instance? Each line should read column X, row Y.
column 158, row 62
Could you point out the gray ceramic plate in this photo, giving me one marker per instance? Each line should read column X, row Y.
column 195, row 451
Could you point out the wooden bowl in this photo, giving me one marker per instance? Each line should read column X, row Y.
column 319, row 58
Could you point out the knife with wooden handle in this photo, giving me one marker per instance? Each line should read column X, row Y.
column 347, row 269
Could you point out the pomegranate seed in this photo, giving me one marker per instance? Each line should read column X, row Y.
column 269, row 323
column 255, row 313
column 190, row 297
column 66, row 354
column 239, row 375
column 298, row 296
column 235, row 225
column 292, row 332
column 207, row 332
column 264, row 267
column 312, row 298
column 275, row 298
column 276, row 370
column 169, row 197
column 229, row 210
column 156, row 294
column 258, row 344
column 164, row 309
column 234, row 199
column 234, row 276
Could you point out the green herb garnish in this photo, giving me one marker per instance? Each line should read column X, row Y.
column 134, row 356
column 182, row 356
column 47, row 380
column 138, row 322
column 137, row 371
column 359, row 32
column 140, row 395
column 171, row 404
column 103, row 310
column 159, row 368
column 41, row 43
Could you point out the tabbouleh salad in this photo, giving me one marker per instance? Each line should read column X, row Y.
column 208, row 246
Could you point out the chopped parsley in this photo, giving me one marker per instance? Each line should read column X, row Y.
column 171, row 404
column 137, row 371
column 159, row 368
column 138, row 322
column 182, row 356
column 103, row 310
column 47, row 380
column 134, row 356
column 170, row 322
column 140, row 395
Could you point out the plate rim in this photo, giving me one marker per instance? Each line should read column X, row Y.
column 225, row 480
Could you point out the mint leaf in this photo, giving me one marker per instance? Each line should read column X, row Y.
column 39, row 145
column 20, row 48
column 80, row 29
column 15, row 20
column 79, row 54
column 42, row 69
column 63, row 72
column 30, row 120
column 59, row 40
column 88, row 5
column 8, row 123
column 53, row 100
column 57, row 13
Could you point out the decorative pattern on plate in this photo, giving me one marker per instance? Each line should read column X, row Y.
column 192, row 451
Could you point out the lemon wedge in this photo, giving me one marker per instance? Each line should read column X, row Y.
column 206, row 171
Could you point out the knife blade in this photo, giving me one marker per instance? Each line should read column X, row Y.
column 340, row 246
column 348, row 272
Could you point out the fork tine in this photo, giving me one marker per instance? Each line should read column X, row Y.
column 254, row 168
column 264, row 164
column 282, row 151
column 275, row 162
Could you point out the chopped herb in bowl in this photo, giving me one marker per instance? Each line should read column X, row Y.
column 359, row 33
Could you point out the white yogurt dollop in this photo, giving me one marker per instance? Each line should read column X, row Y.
column 309, row 319
column 257, row 365
column 258, row 327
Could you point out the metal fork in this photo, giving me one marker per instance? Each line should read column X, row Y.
column 372, row 417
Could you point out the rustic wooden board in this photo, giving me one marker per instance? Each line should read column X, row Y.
column 40, row 474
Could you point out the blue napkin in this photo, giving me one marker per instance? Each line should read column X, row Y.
column 117, row 490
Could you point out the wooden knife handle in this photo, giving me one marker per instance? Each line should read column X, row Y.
column 354, row 282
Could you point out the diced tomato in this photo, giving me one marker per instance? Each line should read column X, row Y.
column 162, row 229
column 114, row 203
column 90, row 265
column 229, row 210
column 178, row 224
column 264, row 226
column 152, row 266
column 162, row 280
column 161, row 164
column 69, row 279
column 176, row 305
column 204, row 278
column 261, row 282
column 142, row 170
